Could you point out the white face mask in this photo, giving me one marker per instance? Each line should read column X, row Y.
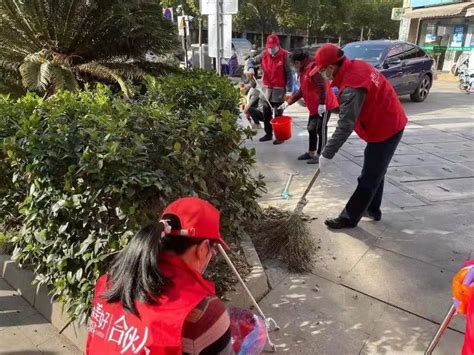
column 211, row 253
column 273, row 51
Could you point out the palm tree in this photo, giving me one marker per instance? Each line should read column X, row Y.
column 47, row 45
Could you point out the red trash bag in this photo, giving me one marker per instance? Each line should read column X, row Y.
column 282, row 127
column 249, row 332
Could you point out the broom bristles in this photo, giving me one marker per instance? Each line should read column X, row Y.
column 284, row 235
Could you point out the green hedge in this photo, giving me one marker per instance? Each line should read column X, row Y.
column 82, row 171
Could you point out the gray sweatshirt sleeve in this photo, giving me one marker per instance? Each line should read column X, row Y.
column 254, row 96
column 257, row 59
column 351, row 101
column 288, row 75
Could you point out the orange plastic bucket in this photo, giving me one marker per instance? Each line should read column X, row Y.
column 282, row 127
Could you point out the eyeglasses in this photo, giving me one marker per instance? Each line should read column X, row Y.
column 213, row 247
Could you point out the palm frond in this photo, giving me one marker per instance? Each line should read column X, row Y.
column 50, row 42
column 64, row 79
column 35, row 75
column 30, row 75
column 103, row 72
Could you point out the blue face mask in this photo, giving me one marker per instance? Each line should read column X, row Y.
column 273, row 51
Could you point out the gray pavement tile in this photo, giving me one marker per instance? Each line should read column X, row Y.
column 429, row 172
column 37, row 329
column 442, row 244
column 409, row 284
column 276, row 271
column 349, row 168
column 416, row 160
column 468, row 134
column 338, row 250
column 460, row 157
column 469, row 164
column 397, row 332
column 402, row 199
column 403, row 149
column 429, row 136
column 13, row 309
column 319, row 317
column 13, row 341
column 442, row 148
column 58, row 347
column 443, row 190
column 461, row 123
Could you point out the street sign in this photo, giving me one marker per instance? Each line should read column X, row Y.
column 208, row 7
column 226, row 46
column 397, row 13
column 183, row 23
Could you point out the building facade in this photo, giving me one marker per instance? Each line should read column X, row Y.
column 444, row 28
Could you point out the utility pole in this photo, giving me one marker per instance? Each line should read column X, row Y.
column 218, row 46
column 185, row 38
column 220, row 34
column 201, row 59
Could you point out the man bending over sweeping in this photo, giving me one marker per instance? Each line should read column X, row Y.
column 369, row 105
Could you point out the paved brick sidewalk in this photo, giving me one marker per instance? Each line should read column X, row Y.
column 380, row 288
column 24, row 331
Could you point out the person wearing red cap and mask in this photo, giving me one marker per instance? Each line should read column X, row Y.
column 369, row 105
column 154, row 300
column 320, row 101
column 277, row 76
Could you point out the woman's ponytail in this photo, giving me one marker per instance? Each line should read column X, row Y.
column 134, row 274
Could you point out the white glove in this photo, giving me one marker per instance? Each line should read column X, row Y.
column 324, row 163
column 283, row 106
column 321, row 110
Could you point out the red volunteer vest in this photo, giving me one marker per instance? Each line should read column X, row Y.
column 382, row 114
column 310, row 91
column 113, row 330
column 468, row 347
column 274, row 75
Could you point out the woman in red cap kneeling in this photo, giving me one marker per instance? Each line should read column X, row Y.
column 154, row 299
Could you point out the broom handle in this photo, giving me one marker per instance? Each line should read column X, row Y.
column 318, row 171
column 231, row 265
column 266, row 98
column 442, row 328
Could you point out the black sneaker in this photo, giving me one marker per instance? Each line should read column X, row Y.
column 376, row 216
column 277, row 142
column 339, row 223
column 313, row 160
column 266, row 138
column 305, row 156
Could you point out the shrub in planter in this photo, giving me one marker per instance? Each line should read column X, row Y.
column 86, row 169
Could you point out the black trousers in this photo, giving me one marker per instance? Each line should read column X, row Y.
column 369, row 191
column 315, row 130
column 268, row 115
column 256, row 114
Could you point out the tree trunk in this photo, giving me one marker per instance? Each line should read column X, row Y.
column 307, row 33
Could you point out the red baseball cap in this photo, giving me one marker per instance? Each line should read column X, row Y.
column 327, row 55
column 272, row 41
column 193, row 217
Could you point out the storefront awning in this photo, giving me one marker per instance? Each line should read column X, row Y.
column 461, row 9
